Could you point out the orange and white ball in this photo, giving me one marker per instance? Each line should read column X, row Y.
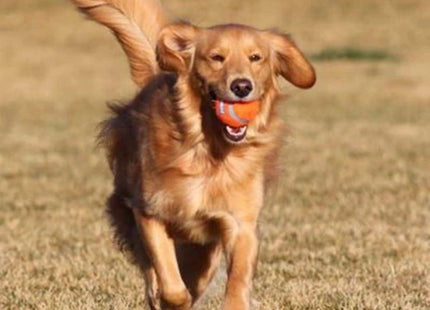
column 236, row 114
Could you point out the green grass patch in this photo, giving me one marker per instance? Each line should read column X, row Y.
column 349, row 53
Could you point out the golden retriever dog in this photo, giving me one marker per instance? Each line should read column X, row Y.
column 188, row 188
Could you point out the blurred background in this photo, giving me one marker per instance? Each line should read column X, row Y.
column 348, row 227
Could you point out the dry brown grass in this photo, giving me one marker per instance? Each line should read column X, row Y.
column 348, row 227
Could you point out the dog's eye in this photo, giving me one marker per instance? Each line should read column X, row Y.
column 254, row 57
column 218, row 57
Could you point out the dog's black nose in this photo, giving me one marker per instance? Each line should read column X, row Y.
column 241, row 87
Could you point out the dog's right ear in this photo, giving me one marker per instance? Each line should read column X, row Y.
column 176, row 46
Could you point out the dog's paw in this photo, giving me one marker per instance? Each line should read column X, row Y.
column 176, row 301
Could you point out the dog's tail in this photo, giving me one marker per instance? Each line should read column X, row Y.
column 136, row 24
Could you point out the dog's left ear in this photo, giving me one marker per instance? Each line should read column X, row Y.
column 176, row 46
column 289, row 61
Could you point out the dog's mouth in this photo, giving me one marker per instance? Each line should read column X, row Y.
column 232, row 133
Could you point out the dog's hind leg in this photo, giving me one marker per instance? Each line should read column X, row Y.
column 198, row 264
column 161, row 251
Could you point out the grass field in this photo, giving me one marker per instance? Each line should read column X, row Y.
column 349, row 225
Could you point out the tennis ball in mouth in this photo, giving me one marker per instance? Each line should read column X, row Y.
column 236, row 114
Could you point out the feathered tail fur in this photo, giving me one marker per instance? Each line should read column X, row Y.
column 136, row 24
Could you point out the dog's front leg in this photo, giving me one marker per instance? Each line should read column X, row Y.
column 241, row 264
column 161, row 251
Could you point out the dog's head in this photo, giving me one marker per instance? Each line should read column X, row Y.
column 233, row 63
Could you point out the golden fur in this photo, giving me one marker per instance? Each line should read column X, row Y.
column 183, row 192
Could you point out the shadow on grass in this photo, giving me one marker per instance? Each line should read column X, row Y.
column 355, row 54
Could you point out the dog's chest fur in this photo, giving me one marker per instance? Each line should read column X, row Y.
column 194, row 194
column 194, row 185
